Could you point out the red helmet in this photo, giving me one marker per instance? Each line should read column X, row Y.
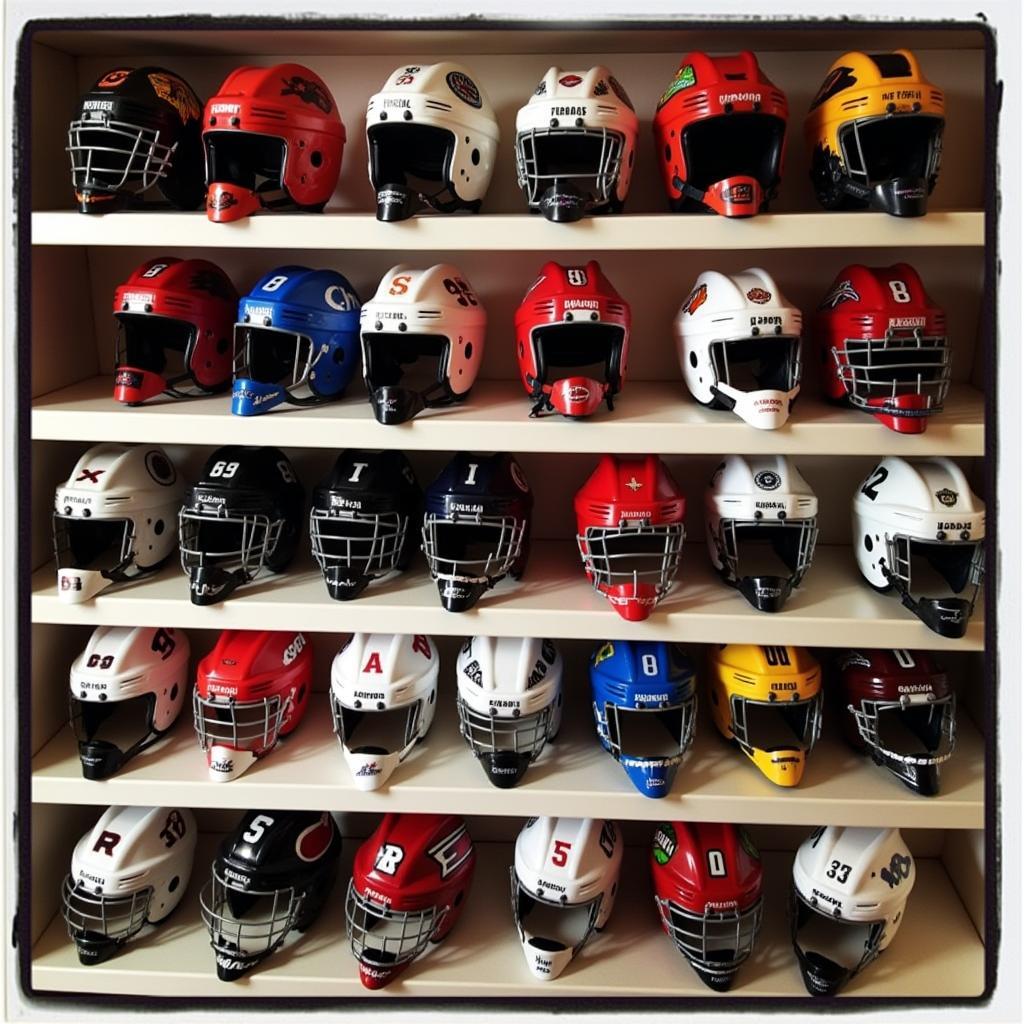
column 252, row 688
column 707, row 885
column 273, row 139
column 629, row 527
column 571, row 317
column 883, row 346
column 720, row 129
column 898, row 707
column 168, row 304
column 409, row 883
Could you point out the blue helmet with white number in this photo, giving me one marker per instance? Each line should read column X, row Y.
column 296, row 340
column 644, row 697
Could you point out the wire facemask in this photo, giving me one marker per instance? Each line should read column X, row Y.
column 960, row 563
column 235, row 733
column 751, row 371
column 112, row 160
column 469, row 553
column 893, row 159
column 901, row 374
column 566, row 172
column 352, row 548
column 679, row 721
column 801, row 716
column 505, row 746
column 372, row 765
column 792, row 540
column 381, row 937
column 220, row 551
column 98, row 924
column 715, row 942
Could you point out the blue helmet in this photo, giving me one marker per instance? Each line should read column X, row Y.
column 644, row 697
column 296, row 340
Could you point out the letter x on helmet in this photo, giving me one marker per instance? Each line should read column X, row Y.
column 136, row 128
column 644, row 697
column 174, row 323
column 767, row 700
column 251, row 690
column 127, row 682
column 476, row 526
column 296, row 340
column 708, row 885
column 509, row 700
column 113, row 518
column 571, row 320
column 629, row 529
column 919, row 531
column 364, row 521
column 898, row 708
column 883, row 346
column 241, row 519
column 410, row 882
column 423, row 341
column 432, row 138
column 271, row 876
column 761, row 513
column 848, row 883
column 719, row 130
column 273, row 140
column 874, row 132
column 127, row 874
column 576, row 144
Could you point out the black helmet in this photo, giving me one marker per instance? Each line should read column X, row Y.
column 135, row 128
column 359, row 525
column 273, row 873
column 242, row 516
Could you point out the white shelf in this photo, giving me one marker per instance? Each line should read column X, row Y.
column 834, row 607
column 648, row 415
column 715, row 783
column 514, row 231
column 936, row 953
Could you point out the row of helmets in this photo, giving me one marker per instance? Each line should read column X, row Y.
column 918, row 528
column 253, row 689
column 300, row 335
column 271, row 138
column 272, row 876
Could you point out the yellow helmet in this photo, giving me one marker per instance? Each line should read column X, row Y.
column 874, row 132
column 768, row 701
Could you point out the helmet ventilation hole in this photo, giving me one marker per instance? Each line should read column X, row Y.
column 316, row 158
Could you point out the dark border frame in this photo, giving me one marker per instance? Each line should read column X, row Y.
column 21, row 122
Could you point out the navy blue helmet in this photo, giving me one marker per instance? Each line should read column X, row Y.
column 476, row 526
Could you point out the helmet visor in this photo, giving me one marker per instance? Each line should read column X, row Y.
column 717, row 941
column 776, row 725
column 585, row 161
column 372, row 730
column 238, row 543
column 241, row 725
column 632, row 554
column 585, row 348
column 417, row 362
column 552, row 926
column 104, row 545
column 381, row 936
column 268, row 355
column 252, row 161
column 413, row 157
column 885, row 148
column 91, row 915
column 367, row 544
column 763, row 363
column 246, row 923
column 480, row 549
column 736, row 145
column 113, row 156
column 156, row 344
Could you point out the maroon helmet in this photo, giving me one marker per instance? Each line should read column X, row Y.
column 898, row 707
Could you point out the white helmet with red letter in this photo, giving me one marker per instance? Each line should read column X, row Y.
column 383, row 686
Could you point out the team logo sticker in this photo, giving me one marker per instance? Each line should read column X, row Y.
column 570, row 81
column 619, row 91
column 739, row 195
column 664, row 843
column 307, row 91
column 220, row 200
column 767, row 480
column 947, row 497
column 759, row 295
column 604, row 652
column 313, row 842
column 684, row 79
column 160, row 468
column 696, row 299
column 112, row 79
column 601, row 89
column 518, row 477
column 171, row 89
column 464, row 87
column 842, row 292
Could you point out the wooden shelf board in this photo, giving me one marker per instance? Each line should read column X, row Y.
column 650, row 416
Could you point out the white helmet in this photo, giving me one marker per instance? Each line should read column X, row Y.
column 738, row 340
column 114, row 518
column 430, row 314
column 383, row 690
column 576, row 144
column 129, row 871
column 510, row 702
column 858, row 877
column 760, row 502
column 922, row 515
column 431, row 135
column 564, row 864
column 126, row 679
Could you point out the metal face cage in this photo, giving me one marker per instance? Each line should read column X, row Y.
column 523, row 900
column 806, row 731
column 114, row 917
column 900, row 549
column 240, row 543
column 632, row 553
column 886, row 146
column 381, row 936
column 591, row 156
column 940, row 721
column 772, row 361
column 445, row 544
column 703, row 938
column 116, row 155
column 241, row 725
column 683, row 717
column 346, row 722
column 369, row 543
column 798, row 555
column 486, row 734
